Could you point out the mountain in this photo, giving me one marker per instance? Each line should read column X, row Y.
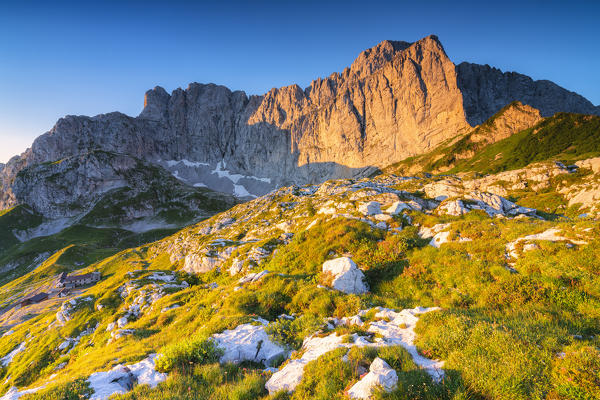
column 486, row 89
column 396, row 100
column 456, row 258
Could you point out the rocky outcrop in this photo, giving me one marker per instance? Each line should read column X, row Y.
column 486, row 90
column 111, row 189
column 121, row 378
column 513, row 118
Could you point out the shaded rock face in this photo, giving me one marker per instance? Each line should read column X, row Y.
column 74, row 186
column 396, row 100
column 486, row 90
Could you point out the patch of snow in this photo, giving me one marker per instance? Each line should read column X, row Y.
column 224, row 173
column 240, row 191
column 45, row 229
column 145, row 225
column 172, row 163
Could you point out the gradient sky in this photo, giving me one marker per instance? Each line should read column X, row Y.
column 86, row 58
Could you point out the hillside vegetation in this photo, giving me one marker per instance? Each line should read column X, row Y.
column 564, row 137
column 516, row 322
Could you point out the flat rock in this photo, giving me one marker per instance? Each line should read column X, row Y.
column 248, row 342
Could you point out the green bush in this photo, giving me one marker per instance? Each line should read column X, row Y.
column 180, row 355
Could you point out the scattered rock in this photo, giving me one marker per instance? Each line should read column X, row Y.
column 253, row 277
column 347, row 277
column 380, row 375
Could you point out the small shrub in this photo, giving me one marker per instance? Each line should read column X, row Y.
column 192, row 351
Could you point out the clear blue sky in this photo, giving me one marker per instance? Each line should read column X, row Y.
column 86, row 58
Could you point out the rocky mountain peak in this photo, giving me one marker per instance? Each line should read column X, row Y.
column 396, row 100
column 155, row 104
column 376, row 57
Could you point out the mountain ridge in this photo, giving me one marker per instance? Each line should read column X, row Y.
column 397, row 99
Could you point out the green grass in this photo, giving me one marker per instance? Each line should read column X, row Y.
column 501, row 333
column 17, row 218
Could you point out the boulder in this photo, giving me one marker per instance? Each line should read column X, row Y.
column 347, row 277
column 121, row 322
column 236, row 266
column 380, row 375
column 253, row 277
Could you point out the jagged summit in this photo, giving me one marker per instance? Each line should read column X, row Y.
column 396, row 100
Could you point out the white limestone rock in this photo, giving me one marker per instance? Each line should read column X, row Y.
column 14, row 393
column 199, row 263
column 380, row 375
column 288, row 377
column 121, row 322
column 453, row 207
column 347, row 277
column 248, row 342
column 253, row 277
column 398, row 207
column 121, row 378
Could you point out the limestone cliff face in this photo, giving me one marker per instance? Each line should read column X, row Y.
column 486, row 90
column 396, row 100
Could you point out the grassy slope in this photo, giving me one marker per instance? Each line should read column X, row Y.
column 499, row 332
column 563, row 137
column 16, row 218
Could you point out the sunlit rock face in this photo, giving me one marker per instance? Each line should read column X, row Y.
column 396, row 100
